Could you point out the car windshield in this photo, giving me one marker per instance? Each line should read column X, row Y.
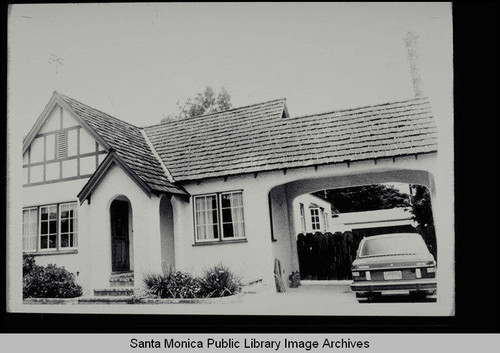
column 397, row 245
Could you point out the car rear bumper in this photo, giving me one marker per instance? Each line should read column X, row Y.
column 370, row 286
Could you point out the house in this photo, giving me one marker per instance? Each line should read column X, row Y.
column 313, row 214
column 398, row 219
column 111, row 201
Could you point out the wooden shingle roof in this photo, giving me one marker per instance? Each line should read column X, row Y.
column 262, row 137
column 127, row 141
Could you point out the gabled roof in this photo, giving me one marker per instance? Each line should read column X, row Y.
column 256, row 138
column 126, row 140
column 261, row 138
column 111, row 159
column 129, row 144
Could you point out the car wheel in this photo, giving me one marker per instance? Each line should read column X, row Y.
column 418, row 295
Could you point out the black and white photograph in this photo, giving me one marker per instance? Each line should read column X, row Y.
column 287, row 159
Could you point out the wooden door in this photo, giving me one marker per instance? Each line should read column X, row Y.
column 120, row 236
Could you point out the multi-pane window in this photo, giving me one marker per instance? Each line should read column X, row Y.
column 219, row 216
column 30, row 229
column 207, row 218
column 50, row 227
column 302, row 218
column 232, row 215
column 315, row 219
column 68, row 225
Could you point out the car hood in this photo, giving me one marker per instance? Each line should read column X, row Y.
column 396, row 260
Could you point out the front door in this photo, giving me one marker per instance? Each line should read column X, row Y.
column 120, row 236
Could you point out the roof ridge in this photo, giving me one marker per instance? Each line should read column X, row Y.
column 222, row 111
column 157, row 156
column 100, row 111
column 415, row 99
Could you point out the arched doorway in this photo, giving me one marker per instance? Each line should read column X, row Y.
column 121, row 228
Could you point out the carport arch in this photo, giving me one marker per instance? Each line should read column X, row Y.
column 281, row 204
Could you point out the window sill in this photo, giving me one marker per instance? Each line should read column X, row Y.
column 60, row 252
column 220, row 242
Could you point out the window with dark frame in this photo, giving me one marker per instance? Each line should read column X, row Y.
column 302, row 218
column 219, row 217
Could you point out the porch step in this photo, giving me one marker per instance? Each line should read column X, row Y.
column 122, row 279
column 114, row 292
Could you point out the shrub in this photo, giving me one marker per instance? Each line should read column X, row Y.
column 172, row 284
column 48, row 281
column 28, row 264
column 219, row 281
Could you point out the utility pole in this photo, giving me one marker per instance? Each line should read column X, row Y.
column 411, row 46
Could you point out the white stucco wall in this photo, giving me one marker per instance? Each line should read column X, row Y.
column 282, row 246
column 399, row 216
column 307, row 200
column 145, row 246
column 252, row 259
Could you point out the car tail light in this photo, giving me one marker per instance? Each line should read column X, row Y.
column 431, row 270
column 368, row 276
column 355, row 274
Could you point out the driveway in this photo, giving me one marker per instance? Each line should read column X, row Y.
column 322, row 298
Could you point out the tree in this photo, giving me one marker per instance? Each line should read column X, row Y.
column 205, row 102
column 365, row 198
column 421, row 205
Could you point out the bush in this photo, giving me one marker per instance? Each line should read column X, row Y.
column 173, row 284
column 48, row 281
column 28, row 264
column 219, row 281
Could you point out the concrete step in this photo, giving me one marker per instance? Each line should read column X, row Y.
column 125, row 279
column 113, row 292
column 121, row 282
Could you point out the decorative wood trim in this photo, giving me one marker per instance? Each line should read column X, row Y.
column 90, row 154
column 39, row 122
column 82, row 122
column 44, row 157
column 58, row 180
column 29, row 165
column 56, row 99
column 61, row 117
column 78, row 151
column 55, row 132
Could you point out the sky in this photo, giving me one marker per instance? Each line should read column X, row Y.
column 135, row 61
